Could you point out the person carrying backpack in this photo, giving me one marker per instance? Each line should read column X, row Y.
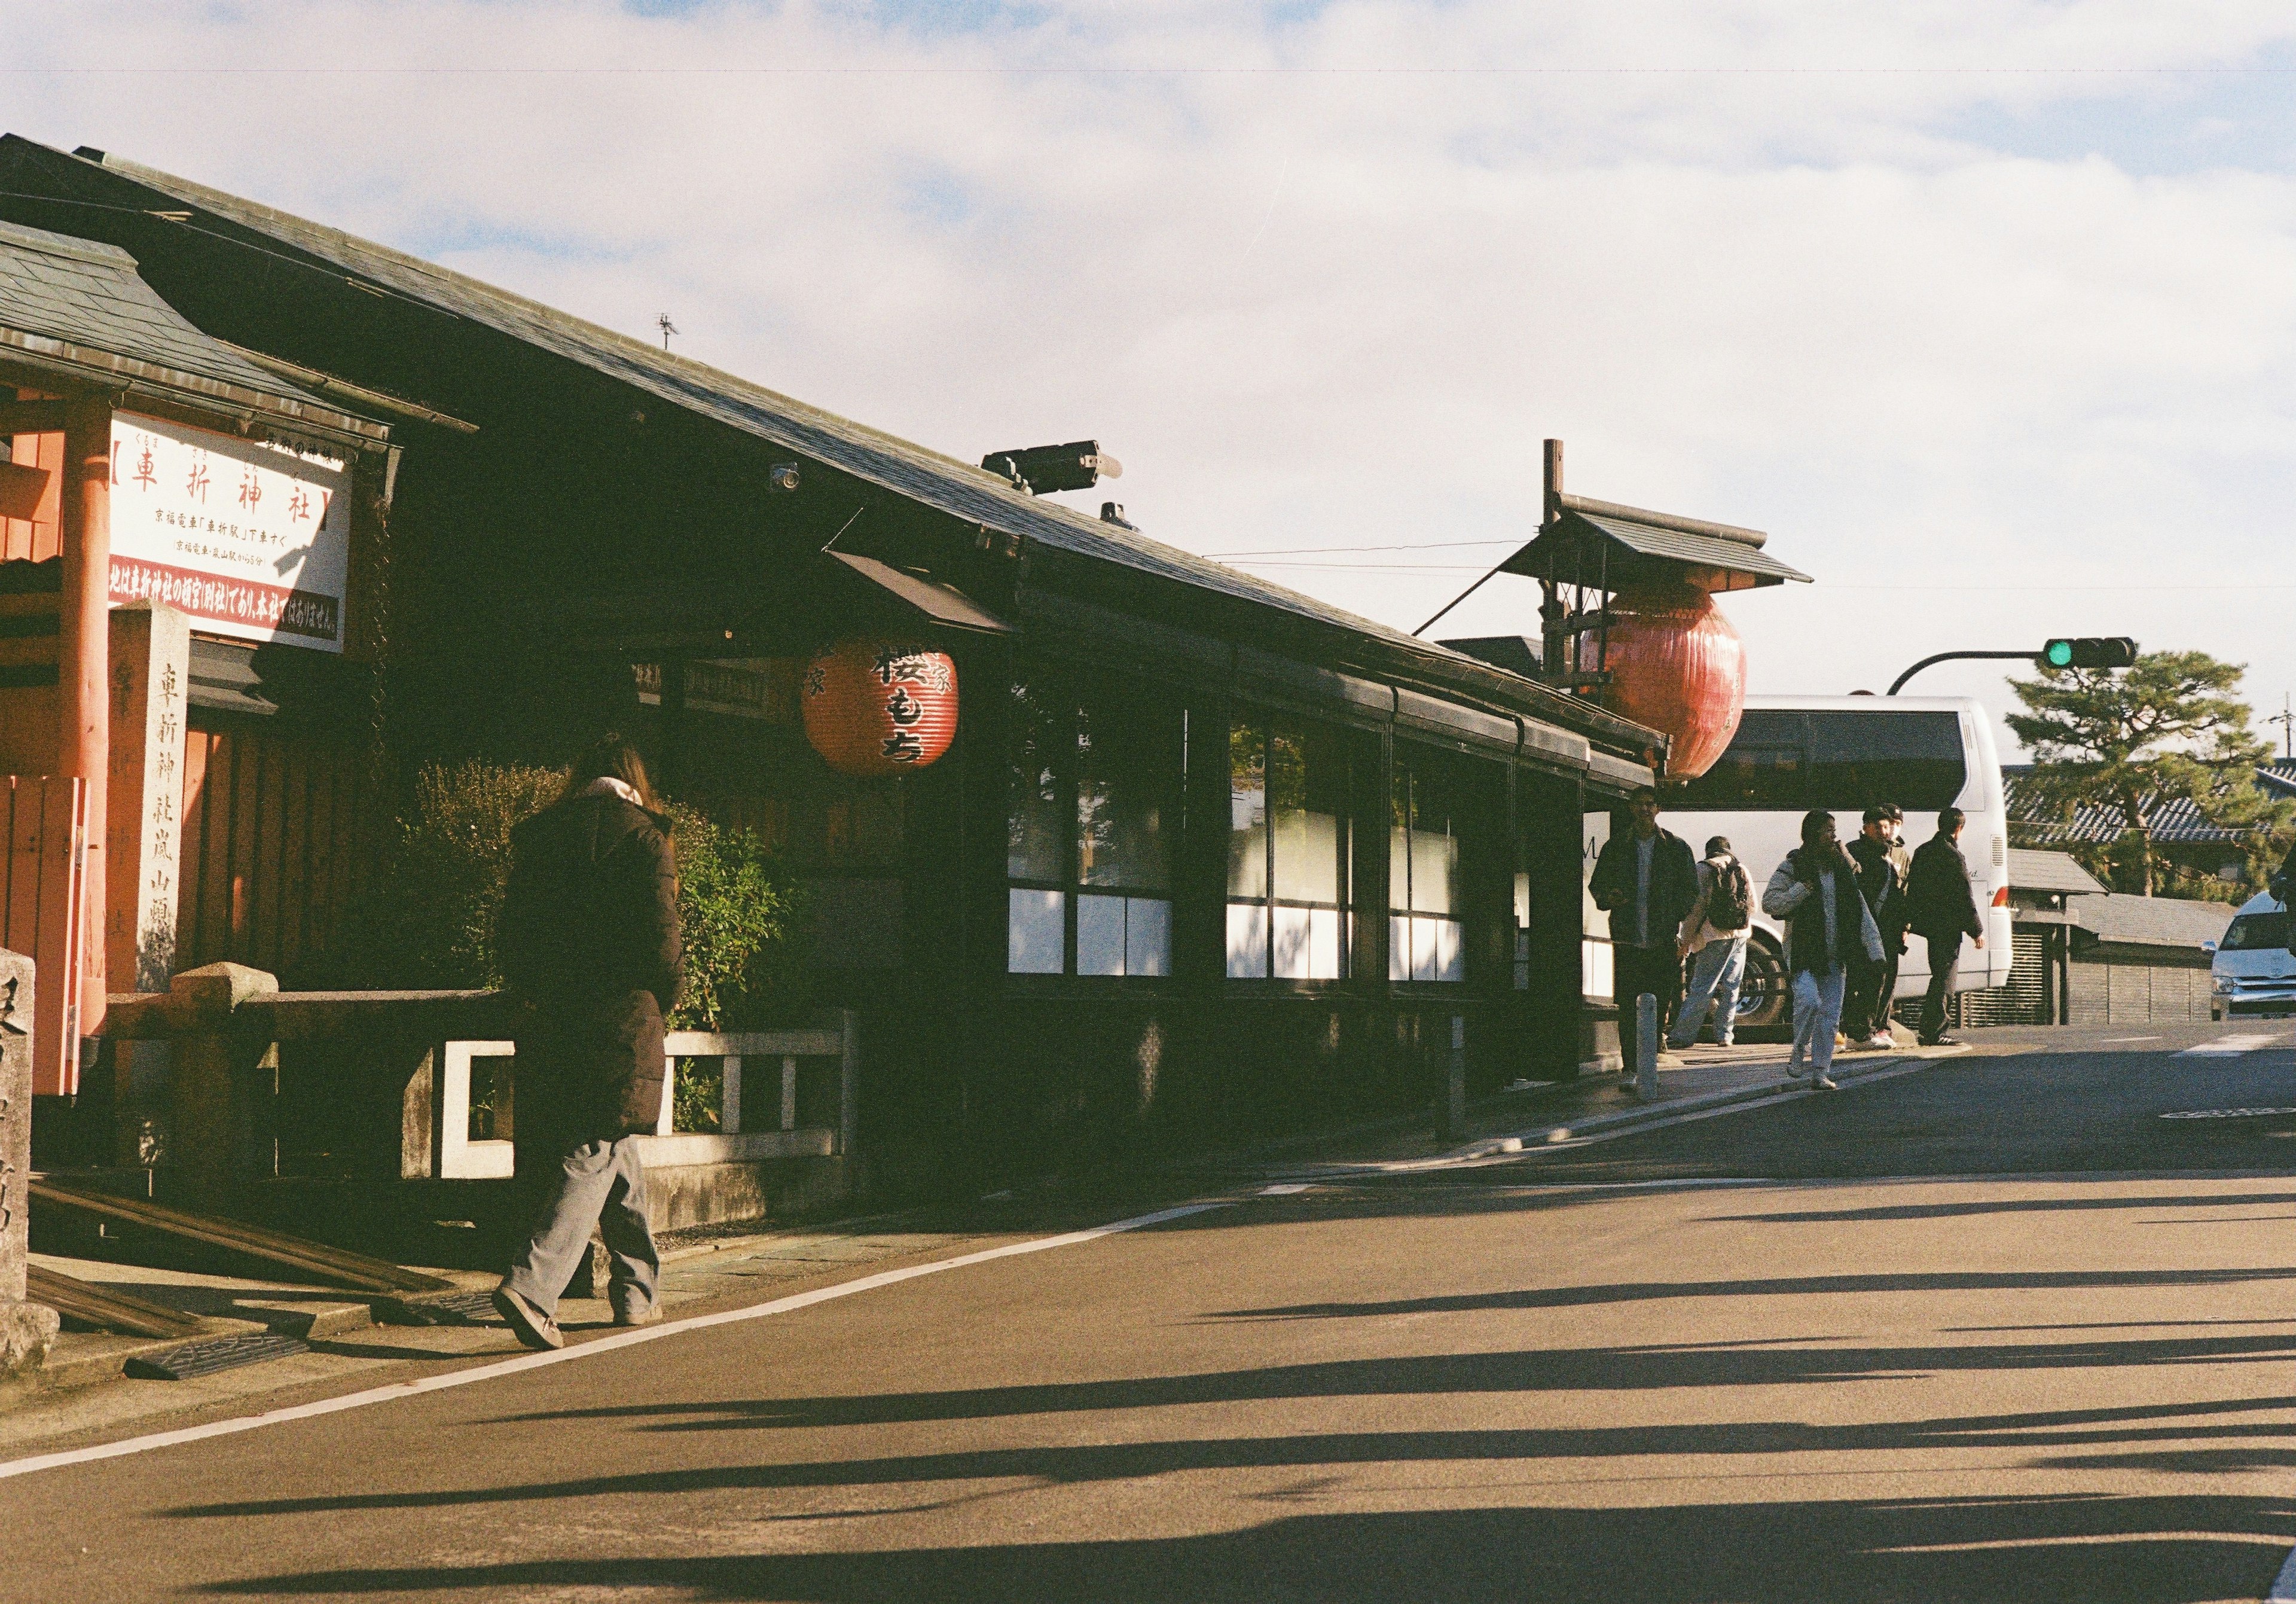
column 1714, row 938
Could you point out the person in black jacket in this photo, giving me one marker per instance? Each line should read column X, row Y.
column 1881, row 871
column 589, row 943
column 1645, row 878
column 1940, row 909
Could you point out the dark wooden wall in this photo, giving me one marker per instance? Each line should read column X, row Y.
column 277, row 826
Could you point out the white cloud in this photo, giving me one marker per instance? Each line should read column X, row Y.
column 1851, row 274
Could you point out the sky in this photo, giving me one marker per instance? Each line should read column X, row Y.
column 1985, row 309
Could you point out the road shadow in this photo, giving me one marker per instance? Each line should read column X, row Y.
column 1638, row 1292
column 1982, row 1551
column 2192, row 1428
column 2006, row 1205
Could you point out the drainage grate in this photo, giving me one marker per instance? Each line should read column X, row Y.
column 450, row 1309
column 218, row 1353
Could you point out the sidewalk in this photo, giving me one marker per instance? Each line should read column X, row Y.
column 1539, row 1114
column 339, row 1337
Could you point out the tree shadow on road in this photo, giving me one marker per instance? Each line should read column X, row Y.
column 1084, row 1464
column 1986, row 1550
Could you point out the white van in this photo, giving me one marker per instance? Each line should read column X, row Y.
column 2252, row 974
column 1844, row 754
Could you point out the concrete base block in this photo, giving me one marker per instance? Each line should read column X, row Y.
column 28, row 1336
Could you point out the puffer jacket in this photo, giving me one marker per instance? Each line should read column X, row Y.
column 1790, row 897
column 589, row 943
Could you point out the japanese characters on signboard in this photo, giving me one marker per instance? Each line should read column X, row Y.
column 250, row 540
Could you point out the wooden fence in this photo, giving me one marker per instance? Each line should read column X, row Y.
column 44, row 912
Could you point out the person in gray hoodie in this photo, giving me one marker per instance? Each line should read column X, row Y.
column 1714, row 940
column 1828, row 928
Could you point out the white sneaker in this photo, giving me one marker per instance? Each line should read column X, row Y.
column 1825, row 1082
column 1881, row 1039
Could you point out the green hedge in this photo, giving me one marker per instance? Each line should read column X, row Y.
column 427, row 921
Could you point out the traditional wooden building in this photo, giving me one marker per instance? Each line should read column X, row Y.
column 1208, row 859
column 169, row 512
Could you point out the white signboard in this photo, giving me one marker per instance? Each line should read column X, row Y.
column 250, row 540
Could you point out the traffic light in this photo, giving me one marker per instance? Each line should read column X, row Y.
column 2090, row 652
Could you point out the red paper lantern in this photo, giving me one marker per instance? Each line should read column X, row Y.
column 1677, row 666
column 874, row 705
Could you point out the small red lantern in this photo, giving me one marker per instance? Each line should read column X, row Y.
column 875, row 706
column 1677, row 666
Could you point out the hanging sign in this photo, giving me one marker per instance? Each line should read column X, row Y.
column 874, row 706
column 250, row 540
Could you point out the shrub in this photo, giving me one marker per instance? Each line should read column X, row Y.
column 428, row 920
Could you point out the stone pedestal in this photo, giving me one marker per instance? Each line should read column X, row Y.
column 27, row 1330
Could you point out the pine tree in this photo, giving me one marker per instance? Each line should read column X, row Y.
column 2169, row 727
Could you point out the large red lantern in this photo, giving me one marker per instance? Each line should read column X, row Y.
column 1677, row 666
column 876, row 705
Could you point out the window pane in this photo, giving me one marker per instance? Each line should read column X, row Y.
column 1306, row 800
column 1247, row 837
column 1034, row 844
column 1912, row 759
column 2252, row 931
column 1128, row 768
column 1100, row 935
column 1398, row 948
column 1246, row 941
column 1450, row 948
column 1035, row 932
column 1147, row 936
column 1399, row 841
column 1325, row 954
column 1424, row 848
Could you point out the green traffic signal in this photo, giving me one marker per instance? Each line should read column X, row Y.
column 2090, row 652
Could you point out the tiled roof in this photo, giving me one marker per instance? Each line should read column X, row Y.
column 2153, row 921
column 2176, row 823
column 2030, row 870
column 61, row 297
column 961, row 490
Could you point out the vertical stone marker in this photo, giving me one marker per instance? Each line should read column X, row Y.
column 27, row 1330
column 151, row 681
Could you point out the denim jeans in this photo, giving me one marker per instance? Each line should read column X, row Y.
column 1818, row 1014
column 1715, row 971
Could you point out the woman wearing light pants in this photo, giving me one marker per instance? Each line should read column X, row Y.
column 1814, row 890
column 1714, row 940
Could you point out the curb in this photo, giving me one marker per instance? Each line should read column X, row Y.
column 1517, row 1142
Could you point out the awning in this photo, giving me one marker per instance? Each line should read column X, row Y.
column 942, row 605
column 1600, row 544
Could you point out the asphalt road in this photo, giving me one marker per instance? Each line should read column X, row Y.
column 1995, row 1330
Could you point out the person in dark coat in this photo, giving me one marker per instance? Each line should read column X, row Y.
column 1646, row 879
column 1829, row 929
column 1882, row 870
column 589, row 943
column 1940, row 909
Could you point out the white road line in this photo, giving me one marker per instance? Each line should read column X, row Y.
column 2284, row 1586
column 2125, row 1041
column 1283, row 1188
column 2225, row 1045
column 621, row 1339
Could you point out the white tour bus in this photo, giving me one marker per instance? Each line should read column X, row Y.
column 1845, row 754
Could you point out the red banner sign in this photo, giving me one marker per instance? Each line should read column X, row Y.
column 228, row 601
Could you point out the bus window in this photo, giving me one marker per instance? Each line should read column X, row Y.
column 1911, row 758
column 1765, row 769
column 1790, row 761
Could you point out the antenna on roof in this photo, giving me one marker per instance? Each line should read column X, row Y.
column 2286, row 719
column 668, row 329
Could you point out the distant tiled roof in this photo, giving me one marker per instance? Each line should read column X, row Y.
column 67, row 299
column 2030, row 870
column 2153, row 921
column 2176, row 823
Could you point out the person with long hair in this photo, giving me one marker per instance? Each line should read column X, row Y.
column 589, row 943
column 1828, row 929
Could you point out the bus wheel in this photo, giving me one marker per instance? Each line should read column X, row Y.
column 1762, row 993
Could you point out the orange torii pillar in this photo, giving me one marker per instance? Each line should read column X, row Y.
column 84, row 671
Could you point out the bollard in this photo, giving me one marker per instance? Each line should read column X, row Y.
column 1455, row 1099
column 28, row 1330
column 1646, row 1047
